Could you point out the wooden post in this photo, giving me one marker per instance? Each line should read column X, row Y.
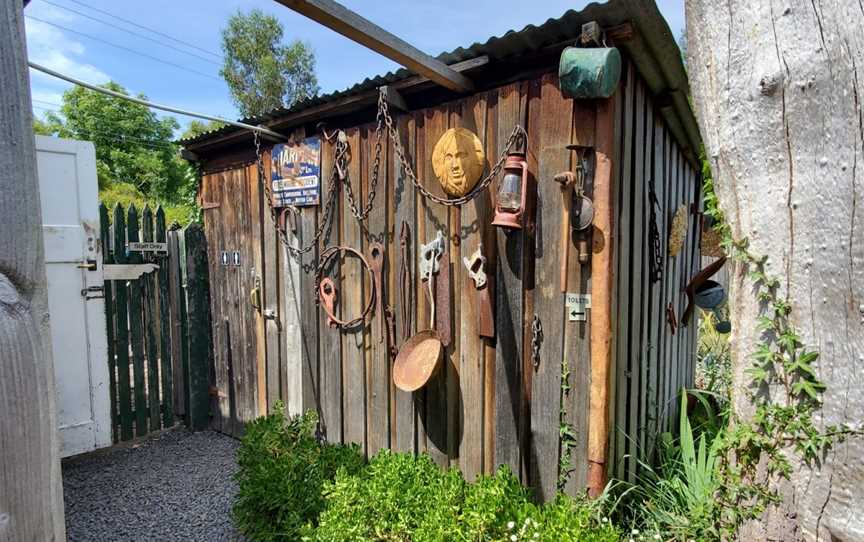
column 151, row 325
column 105, row 229
column 121, row 314
column 136, row 326
column 198, row 328
column 602, row 261
column 31, row 493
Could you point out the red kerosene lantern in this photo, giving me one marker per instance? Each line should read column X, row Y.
column 510, row 203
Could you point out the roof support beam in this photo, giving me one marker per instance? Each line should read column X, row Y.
column 351, row 25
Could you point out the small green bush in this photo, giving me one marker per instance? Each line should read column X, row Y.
column 399, row 497
column 282, row 470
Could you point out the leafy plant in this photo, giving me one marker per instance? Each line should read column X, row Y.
column 713, row 357
column 282, row 470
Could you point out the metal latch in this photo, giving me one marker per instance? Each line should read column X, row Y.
column 270, row 314
column 93, row 289
column 89, row 265
column 577, row 307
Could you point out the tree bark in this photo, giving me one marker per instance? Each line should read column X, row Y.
column 31, row 492
column 777, row 86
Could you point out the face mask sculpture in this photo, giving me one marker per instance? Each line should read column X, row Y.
column 458, row 161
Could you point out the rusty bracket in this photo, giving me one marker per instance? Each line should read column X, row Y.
column 671, row 319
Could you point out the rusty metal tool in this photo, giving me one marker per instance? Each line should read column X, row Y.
column 476, row 266
column 442, row 294
column 376, row 262
column 406, row 286
column 566, row 180
column 418, row 358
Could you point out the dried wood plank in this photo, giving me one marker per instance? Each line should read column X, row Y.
column 421, row 236
column 256, row 253
column 637, row 272
column 136, row 327
column 330, row 339
column 508, row 309
column 165, row 363
column 624, row 277
column 198, row 304
column 552, row 115
column 352, row 293
column 405, row 204
column 121, row 314
column 475, row 219
column 173, row 302
column 270, row 294
column 436, row 218
column 108, row 258
column 148, row 283
column 490, row 243
column 577, row 346
column 378, row 360
column 453, row 352
column 31, row 487
column 666, row 218
column 309, row 397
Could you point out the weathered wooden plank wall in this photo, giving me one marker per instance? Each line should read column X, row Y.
column 652, row 364
column 489, row 404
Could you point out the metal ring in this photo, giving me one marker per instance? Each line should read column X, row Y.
column 328, row 255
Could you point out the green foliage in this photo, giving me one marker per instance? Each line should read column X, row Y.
column 399, row 497
column 133, row 145
column 197, row 127
column 677, row 497
column 714, row 358
column 262, row 73
column 282, row 470
column 126, row 194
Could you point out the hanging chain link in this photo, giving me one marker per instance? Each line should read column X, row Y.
column 656, row 262
column 536, row 339
column 517, row 136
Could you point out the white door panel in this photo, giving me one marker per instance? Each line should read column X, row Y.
column 70, row 218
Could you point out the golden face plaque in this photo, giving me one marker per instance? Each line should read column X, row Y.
column 458, row 161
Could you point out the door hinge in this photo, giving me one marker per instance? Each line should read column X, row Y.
column 93, row 289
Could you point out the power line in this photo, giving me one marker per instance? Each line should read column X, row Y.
column 169, row 108
column 112, row 25
column 145, row 55
column 133, row 23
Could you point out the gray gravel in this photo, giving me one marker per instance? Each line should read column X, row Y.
column 176, row 485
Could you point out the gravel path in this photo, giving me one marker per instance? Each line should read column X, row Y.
column 175, row 486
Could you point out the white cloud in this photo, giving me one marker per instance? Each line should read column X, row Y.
column 53, row 49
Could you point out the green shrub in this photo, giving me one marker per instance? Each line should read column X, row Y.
column 399, row 497
column 282, row 470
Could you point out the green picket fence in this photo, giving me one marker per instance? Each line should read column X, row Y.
column 157, row 351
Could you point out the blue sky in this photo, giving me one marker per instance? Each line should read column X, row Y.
column 433, row 26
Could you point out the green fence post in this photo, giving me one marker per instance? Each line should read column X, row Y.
column 121, row 315
column 105, row 229
column 136, row 326
column 164, row 326
column 198, row 328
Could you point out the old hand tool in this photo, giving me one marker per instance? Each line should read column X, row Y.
column 442, row 301
column 327, row 292
column 418, row 357
column 566, row 180
column 376, row 262
column 476, row 265
column 695, row 283
column 406, row 287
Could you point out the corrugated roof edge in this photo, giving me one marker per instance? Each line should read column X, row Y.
column 653, row 49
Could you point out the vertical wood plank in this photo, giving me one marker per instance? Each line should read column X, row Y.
column 165, row 362
column 552, row 117
column 198, row 304
column 475, row 219
column 577, row 344
column 453, row 375
column 435, row 218
column 148, row 283
column 624, row 278
column 108, row 258
column 377, row 230
column 508, row 324
column 352, row 293
column 173, row 302
column 330, row 339
column 255, row 250
column 422, row 235
column 121, row 316
column 270, row 293
column 405, row 435
column 136, row 327
column 490, row 243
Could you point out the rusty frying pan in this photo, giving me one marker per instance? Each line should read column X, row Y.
column 419, row 356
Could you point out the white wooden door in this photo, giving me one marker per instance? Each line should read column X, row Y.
column 73, row 260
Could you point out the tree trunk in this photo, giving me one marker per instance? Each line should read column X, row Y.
column 31, row 492
column 777, row 87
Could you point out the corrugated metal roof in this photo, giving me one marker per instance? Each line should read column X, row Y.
column 654, row 51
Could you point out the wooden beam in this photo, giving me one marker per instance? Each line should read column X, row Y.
column 31, row 490
column 351, row 25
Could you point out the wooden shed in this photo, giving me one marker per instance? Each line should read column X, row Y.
column 577, row 380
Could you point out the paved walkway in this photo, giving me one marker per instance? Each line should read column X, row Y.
column 174, row 486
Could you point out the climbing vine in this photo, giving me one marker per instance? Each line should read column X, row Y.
column 784, row 388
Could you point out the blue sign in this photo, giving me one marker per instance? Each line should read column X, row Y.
column 295, row 175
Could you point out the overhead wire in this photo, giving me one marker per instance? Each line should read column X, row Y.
column 119, row 137
column 123, row 47
column 143, row 27
column 132, row 32
column 109, row 92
